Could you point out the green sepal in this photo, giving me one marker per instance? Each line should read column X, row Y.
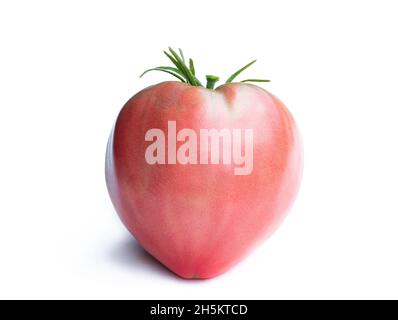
column 170, row 70
column 256, row 80
column 231, row 78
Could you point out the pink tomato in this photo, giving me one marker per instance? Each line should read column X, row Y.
column 201, row 175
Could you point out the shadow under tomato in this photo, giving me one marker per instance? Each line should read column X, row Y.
column 130, row 254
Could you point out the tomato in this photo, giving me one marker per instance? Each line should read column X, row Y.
column 195, row 207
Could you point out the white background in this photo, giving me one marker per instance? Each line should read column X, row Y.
column 66, row 69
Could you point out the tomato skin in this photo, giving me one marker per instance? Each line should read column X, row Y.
column 199, row 220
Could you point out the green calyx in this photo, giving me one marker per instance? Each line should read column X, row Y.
column 186, row 73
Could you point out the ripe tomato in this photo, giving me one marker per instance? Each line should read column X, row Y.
column 198, row 217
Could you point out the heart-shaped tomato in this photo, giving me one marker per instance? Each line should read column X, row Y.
column 199, row 176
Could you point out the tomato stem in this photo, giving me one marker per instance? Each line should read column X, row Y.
column 211, row 81
column 186, row 73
